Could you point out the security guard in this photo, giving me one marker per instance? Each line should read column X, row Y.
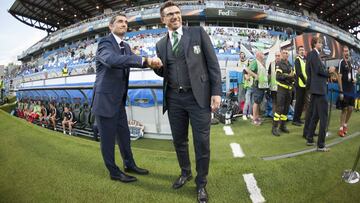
column 285, row 80
column 65, row 71
column 301, row 93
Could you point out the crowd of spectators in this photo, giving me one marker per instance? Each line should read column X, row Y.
column 81, row 52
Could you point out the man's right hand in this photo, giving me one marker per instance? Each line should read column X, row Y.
column 154, row 63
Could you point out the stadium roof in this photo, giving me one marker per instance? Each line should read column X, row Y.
column 51, row 15
column 54, row 14
column 342, row 13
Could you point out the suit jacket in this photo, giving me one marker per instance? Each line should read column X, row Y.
column 317, row 74
column 202, row 64
column 112, row 76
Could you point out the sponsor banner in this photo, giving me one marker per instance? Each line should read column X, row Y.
column 235, row 13
column 331, row 47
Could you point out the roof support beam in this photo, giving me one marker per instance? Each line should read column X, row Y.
column 346, row 4
column 82, row 11
column 63, row 17
column 26, row 19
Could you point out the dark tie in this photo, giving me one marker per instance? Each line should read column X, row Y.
column 122, row 48
column 122, row 52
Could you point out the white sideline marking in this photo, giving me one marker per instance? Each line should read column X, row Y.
column 228, row 130
column 254, row 190
column 237, row 151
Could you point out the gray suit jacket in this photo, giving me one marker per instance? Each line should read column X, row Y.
column 201, row 60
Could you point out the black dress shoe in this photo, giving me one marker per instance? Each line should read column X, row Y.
column 202, row 195
column 123, row 178
column 181, row 181
column 136, row 170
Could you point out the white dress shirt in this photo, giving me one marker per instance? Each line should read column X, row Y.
column 180, row 33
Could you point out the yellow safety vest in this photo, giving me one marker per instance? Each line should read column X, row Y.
column 2, row 85
column 65, row 72
column 262, row 76
column 303, row 71
column 273, row 84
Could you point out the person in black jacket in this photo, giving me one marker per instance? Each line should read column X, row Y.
column 317, row 81
column 285, row 81
column 347, row 82
column 300, row 85
column 192, row 89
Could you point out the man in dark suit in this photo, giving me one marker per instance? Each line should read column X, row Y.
column 113, row 61
column 318, row 89
column 192, row 88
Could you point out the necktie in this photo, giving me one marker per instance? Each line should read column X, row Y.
column 122, row 52
column 175, row 46
column 122, row 48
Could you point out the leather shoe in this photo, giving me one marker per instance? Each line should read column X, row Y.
column 202, row 195
column 136, row 170
column 181, row 181
column 123, row 178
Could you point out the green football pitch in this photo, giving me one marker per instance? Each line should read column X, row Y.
column 40, row 165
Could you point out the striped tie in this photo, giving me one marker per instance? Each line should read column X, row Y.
column 175, row 46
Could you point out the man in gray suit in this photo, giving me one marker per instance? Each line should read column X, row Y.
column 192, row 89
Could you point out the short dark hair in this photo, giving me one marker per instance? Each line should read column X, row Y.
column 315, row 40
column 300, row 47
column 345, row 46
column 166, row 5
column 113, row 19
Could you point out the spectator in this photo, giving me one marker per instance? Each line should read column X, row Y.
column 65, row 71
column 52, row 116
column 43, row 115
column 68, row 120
column 36, row 111
column 90, row 70
column 247, row 83
column 20, row 109
column 257, row 70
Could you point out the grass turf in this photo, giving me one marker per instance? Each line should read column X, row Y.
column 42, row 165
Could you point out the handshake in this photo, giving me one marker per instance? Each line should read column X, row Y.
column 154, row 63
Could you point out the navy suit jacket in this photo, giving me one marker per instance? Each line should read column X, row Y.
column 112, row 76
column 317, row 74
column 202, row 63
